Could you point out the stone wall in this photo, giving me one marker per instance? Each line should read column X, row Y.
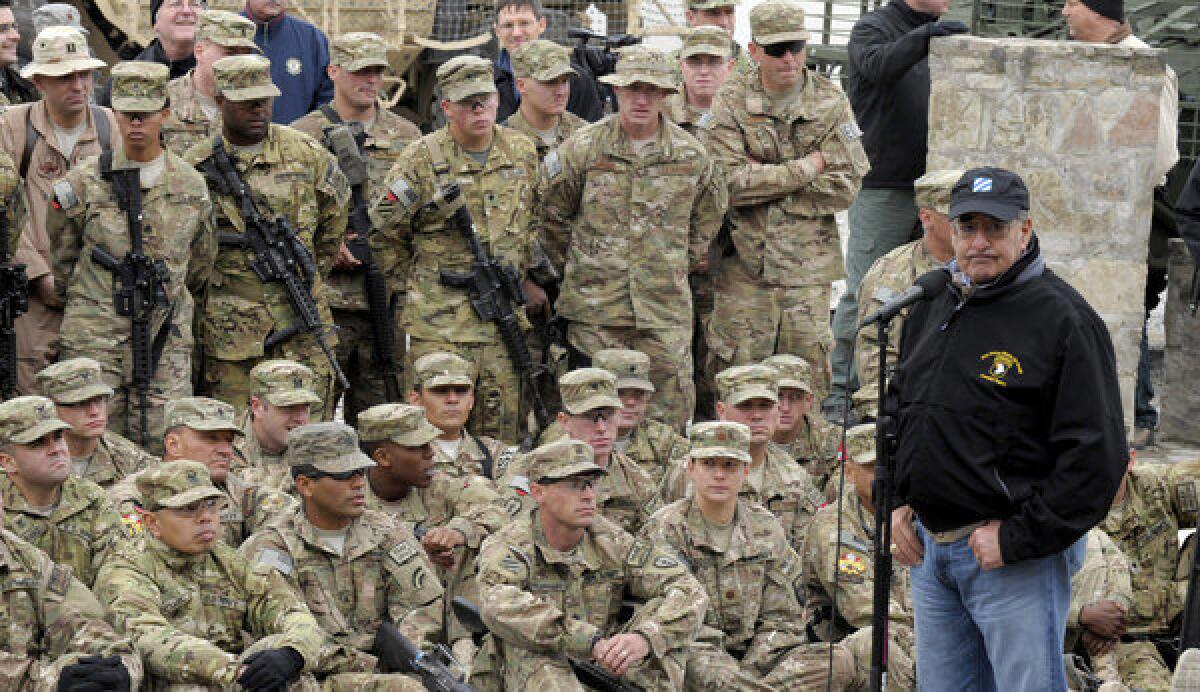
column 1078, row 122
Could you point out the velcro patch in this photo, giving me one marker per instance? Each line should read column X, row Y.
column 851, row 130
column 552, row 165
column 665, row 562
column 277, row 559
column 60, row 580
column 1186, row 496
column 403, row 552
column 63, row 196
column 638, row 554
column 520, row 484
column 705, row 120
column 884, row 294
column 401, row 193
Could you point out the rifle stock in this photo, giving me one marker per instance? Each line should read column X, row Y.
column 398, row 654
column 14, row 302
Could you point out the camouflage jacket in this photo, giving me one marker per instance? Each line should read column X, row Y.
column 782, row 210
column 568, row 125
column 189, row 616
column 652, row 445
column 79, row 532
column 295, row 177
column 815, row 449
column 755, row 589
column 500, row 197
column 249, row 454
column 52, row 620
column 387, row 136
column 177, row 228
column 1104, row 576
column 677, row 110
column 116, row 458
column 469, row 461
column 188, row 124
column 466, row 504
column 623, row 229
column 381, row 575
column 552, row 603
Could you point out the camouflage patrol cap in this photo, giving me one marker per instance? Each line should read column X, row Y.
column 200, row 413
column 244, row 78
column 226, row 29
column 933, row 189
column 562, row 459
column 465, row 76
column 632, row 368
column 777, row 21
column 57, row 14
column 442, row 369
column 358, row 50
column 720, row 440
column 710, row 4
column 26, row 419
column 707, row 40
column 174, row 484
column 283, row 383
column 541, row 60
column 643, row 63
column 72, row 381
column 330, row 447
column 860, row 444
column 139, row 86
column 60, row 51
column 403, row 424
column 794, row 371
column 588, row 389
column 744, row 382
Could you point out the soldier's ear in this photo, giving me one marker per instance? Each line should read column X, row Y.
column 721, row 409
column 414, row 398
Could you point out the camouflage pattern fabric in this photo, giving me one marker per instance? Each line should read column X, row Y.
column 1104, row 576
column 470, row 458
column 115, row 459
column 188, row 124
column 815, row 449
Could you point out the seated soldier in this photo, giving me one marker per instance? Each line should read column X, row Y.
column 1101, row 596
column 190, row 603
column 811, row 441
column 753, row 636
column 70, row 518
column 80, row 397
column 443, row 385
column 844, row 561
column 281, row 400
column 356, row 568
column 552, row 584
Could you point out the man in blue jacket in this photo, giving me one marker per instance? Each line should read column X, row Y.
column 299, row 54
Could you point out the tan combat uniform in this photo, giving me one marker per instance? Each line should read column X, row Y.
column 1104, row 576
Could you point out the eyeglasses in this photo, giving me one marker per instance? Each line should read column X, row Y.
column 776, row 50
column 208, row 504
column 477, row 104
column 576, row 484
column 341, row 476
column 138, row 116
column 597, row 416
column 990, row 229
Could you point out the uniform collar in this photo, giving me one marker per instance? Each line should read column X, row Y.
column 360, row 538
column 759, row 102
column 584, row 554
column 741, row 544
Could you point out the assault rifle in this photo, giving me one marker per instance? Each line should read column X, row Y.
column 398, row 654
column 14, row 302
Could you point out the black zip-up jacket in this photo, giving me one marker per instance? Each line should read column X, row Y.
column 1009, row 409
column 887, row 82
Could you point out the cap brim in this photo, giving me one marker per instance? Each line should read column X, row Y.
column 251, row 93
column 210, row 425
column 794, row 384
column 349, row 462
column 748, row 393
column 60, row 69
column 583, row 468
column 83, row 394
column 292, row 397
column 994, row 208
column 364, row 63
column 863, row 459
column 783, row 37
column 138, row 104
column 553, row 73
column 428, row 432
column 474, row 87
column 447, row 381
column 720, row 453
column 704, row 50
column 39, row 430
column 635, row 383
column 619, row 80
column 592, row 403
column 189, row 496
column 236, row 43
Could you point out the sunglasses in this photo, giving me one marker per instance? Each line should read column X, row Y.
column 776, row 50
column 207, row 505
column 576, row 484
column 342, row 476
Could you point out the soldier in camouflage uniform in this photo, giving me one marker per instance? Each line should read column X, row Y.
column 719, row 14
column 356, row 66
column 281, row 400
column 497, row 171
column 354, row 567
column 70, row 518
column 553, row 583
column 177, row 229
column 543, row 77
column 1101, row 597
column 811, row 441
column 190, row 603
column 786, row 140
column 893, row 273
column 194, row 114
column 753, row 636
column 288, row 174
column 629, row 206
column 844, row 561
column 80, row 398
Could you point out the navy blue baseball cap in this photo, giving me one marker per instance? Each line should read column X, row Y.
column 996, row 192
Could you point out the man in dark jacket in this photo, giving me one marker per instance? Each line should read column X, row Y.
column 174, row 43
column 887, row 81
column 299, row 54
column 1011, row 445
column 1187, row 213
column 14, row 88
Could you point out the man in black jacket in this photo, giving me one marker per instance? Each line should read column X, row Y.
column 1011, row 446
column 174, row 23
column 887, row 81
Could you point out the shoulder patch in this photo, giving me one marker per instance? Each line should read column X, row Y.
column 401, row 193
column 705, row 120
column 60, row 580
column 665, row 562
column 552, row 165
column 851, row 130
column 1185, row 494
column 520, row 484
column 639, row 553
column 884, row 294
column 273, row 502
column 63, row 195
column 277, row 559
column 402, row 552
column 513, row 506
column 131, row 524
column 503, row 459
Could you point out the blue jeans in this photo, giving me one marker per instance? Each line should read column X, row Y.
column 996, row 630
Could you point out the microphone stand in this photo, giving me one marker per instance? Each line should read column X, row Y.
column 881, row 489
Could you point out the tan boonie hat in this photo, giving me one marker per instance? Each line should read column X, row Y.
column 175, row 484
column 330, row 447
column 777, row 22
column 588, row 389
column 632, row 368
column 26, row 419
column 709, row 4
column 59, row 51
column 400, row 423
column 283, row 383
column 794, row 371
column 860, row 443
column 562, row 459
column 744, row 382
column 57, row 14
column 244, row 78
column 139, row 86
column 200, row 413
column 647, row 64
column 72, row 381
column 707, row 40
column 541, row 60
column 464, row 76
column 442, row 369
column 359, row 50
column 226, row 29
column 720, row 440
column 932, row 190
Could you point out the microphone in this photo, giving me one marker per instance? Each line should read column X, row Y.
column 923, row 288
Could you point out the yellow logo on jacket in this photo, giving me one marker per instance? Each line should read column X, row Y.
column 1002, row 365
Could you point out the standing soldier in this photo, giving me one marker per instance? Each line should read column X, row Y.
column 808, row 438
column 787, row 142
column 630, row 205
column 134, row 225
column 544, row 77
column 296, row 188
column 718, row 14
column 356, row 66
column 496, row 169
column 80, row 398
column 281, row 400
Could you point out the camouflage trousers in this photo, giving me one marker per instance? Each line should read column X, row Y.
column 229, row 380
column 1142, row 667
column 704, row 380
column 303, row 683
column 670, row 352
column 805, row 668
column 525, row 670
column 498, row 408
column 901, row 657
column 356, row 355
column 41, row 675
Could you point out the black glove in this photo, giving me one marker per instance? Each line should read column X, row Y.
column 947, row 28
column 271, row 669
column 95, row 673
